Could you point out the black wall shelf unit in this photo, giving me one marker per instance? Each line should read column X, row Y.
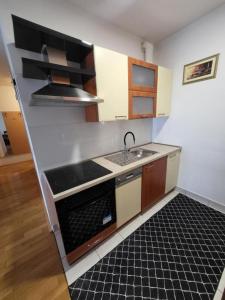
column 36, row 69
column 31, row 36
column 70, row 72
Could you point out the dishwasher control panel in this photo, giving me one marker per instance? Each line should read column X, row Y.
column 124, row 178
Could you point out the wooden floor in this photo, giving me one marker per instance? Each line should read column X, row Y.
column 30, row 267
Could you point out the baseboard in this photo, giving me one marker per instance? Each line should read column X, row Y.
column 208, row 202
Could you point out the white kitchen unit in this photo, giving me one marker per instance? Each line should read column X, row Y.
column 112, row 84
column 173, row 161
column 128, row 200
column 164, row 87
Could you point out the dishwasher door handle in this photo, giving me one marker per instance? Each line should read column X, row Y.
column 130, row 176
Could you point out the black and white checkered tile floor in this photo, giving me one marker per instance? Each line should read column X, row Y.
column 179, row 253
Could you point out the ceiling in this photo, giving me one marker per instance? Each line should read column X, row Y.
column 152, row 20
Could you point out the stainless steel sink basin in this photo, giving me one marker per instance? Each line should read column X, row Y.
column 124, row 158
column 141, row 153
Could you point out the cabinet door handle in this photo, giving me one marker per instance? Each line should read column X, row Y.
column 149, row 167
column 120, row 117
column 94, row 243
column 97, row 241
column 161, row 114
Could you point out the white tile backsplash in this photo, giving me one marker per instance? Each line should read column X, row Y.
column 66, row 143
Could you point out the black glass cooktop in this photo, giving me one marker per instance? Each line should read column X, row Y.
column 67, row 177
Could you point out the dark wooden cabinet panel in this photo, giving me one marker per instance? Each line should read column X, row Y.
column 153, row 182
column 93, row 242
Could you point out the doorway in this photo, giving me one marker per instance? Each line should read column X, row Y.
column 14, row 145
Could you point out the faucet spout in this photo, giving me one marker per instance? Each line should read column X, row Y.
column 125, row 136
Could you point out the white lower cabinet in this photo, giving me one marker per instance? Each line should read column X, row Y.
column 173, row 160
column 128, row 201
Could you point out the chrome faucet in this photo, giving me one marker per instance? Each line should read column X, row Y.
column 124, row 141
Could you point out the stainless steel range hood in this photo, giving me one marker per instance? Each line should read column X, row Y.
column 60, row 91
column 55, row 94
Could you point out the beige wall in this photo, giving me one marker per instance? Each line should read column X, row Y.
column 8, row 100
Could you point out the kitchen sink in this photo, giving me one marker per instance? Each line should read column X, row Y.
column 141, row 153
column 127, row 157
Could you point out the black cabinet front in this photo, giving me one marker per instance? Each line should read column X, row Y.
column 85, row 214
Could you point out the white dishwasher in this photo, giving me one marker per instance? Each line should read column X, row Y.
column 128, row 196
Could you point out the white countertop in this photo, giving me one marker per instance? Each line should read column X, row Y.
column 161, row 149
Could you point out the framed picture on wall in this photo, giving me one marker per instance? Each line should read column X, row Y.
column 201, row 70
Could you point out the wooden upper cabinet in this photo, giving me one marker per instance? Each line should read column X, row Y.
column 141, row 105
column 153, row 182
column 111, row 83
column 142, row 76
column 164, row 87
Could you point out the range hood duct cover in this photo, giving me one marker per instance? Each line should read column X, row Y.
column 63, row 94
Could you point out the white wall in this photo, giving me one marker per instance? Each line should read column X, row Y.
column 60, row 135
column 197, row 121
column 8, row 100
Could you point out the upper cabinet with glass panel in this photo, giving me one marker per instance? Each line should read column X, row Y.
column 131, row 88
column 149, row 90
column 142, row 75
